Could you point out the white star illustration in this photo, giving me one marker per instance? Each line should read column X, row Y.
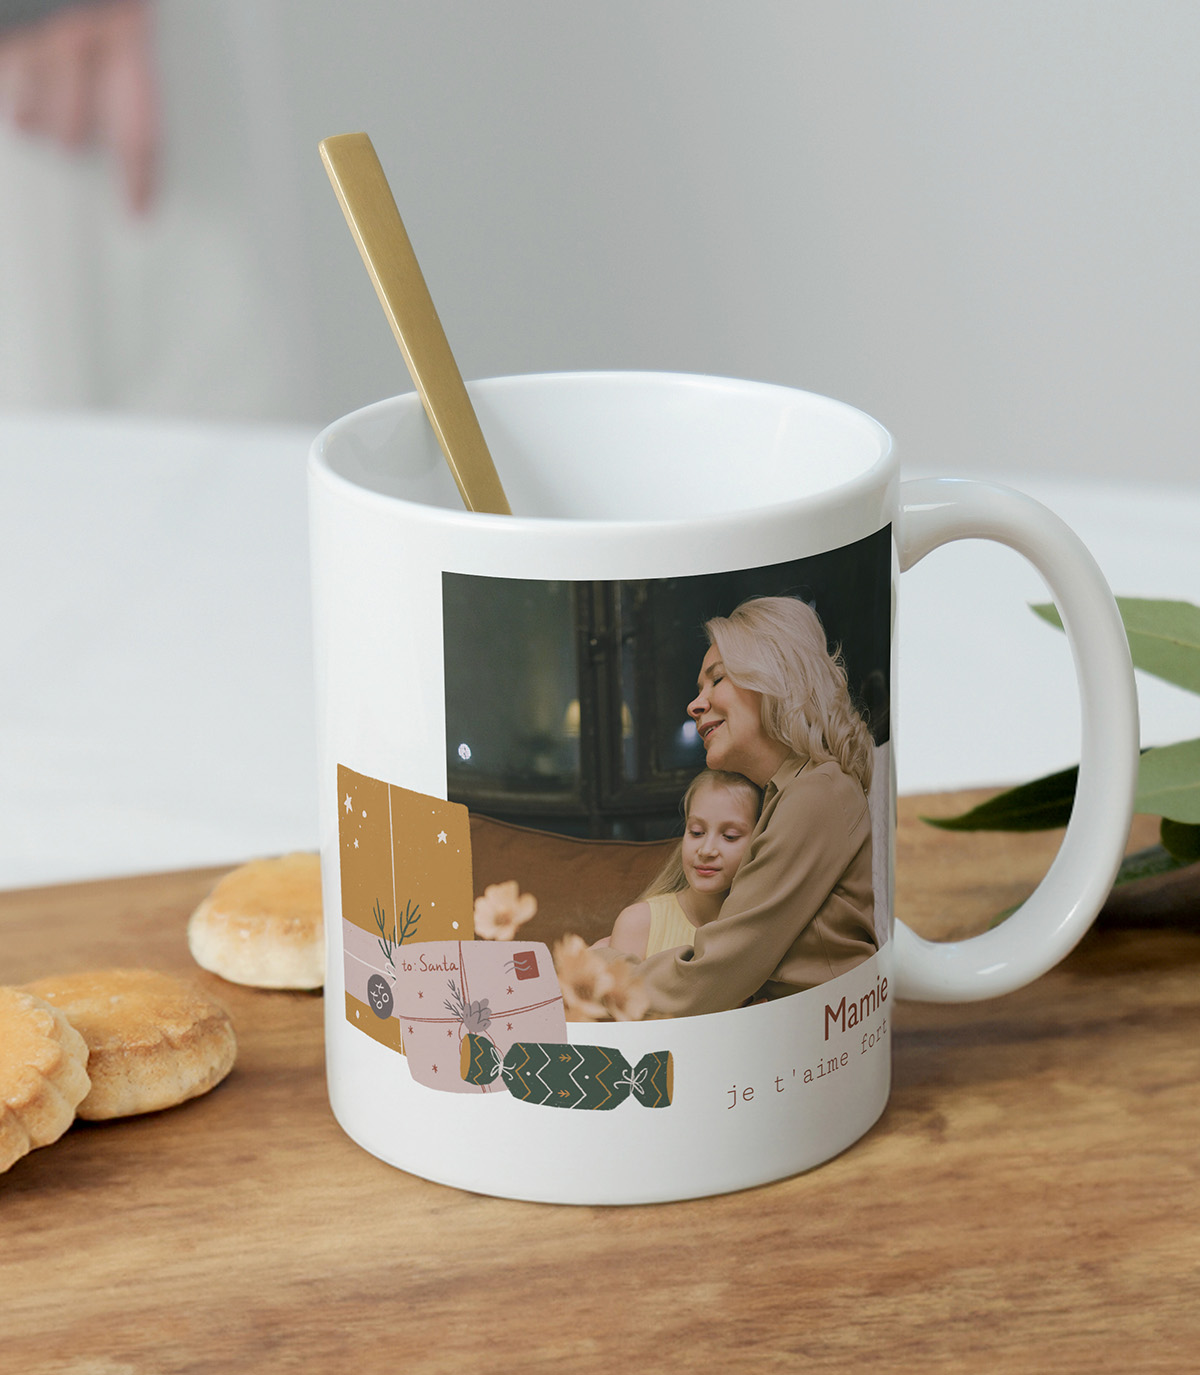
column 441, row 837
column 349, row 804
column 356, row 842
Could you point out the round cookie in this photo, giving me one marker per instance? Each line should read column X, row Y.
column 153, row 1040
column 43, row 1074
column 262, row 925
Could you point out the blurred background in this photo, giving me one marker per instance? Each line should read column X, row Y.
column 978, row 223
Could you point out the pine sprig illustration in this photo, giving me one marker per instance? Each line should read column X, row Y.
column 400, row 933
column 412, row 915
column 386, row 943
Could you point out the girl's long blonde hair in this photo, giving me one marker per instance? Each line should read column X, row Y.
column 776, row 646
column 671, row 878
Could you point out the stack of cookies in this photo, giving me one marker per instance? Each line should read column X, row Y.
column 110, row 1043
column 116, row 1042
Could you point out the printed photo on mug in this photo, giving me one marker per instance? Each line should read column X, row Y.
column 738, row 714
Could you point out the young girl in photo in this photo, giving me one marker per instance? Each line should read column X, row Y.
column 721, row 810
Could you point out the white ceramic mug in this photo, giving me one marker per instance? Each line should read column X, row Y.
column 450, row 1056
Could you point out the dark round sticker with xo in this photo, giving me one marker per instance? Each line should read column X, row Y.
column 379, row 995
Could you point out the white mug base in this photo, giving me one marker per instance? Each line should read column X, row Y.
column 803, row 1076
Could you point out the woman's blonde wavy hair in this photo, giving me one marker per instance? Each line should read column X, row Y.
column 776, row 646
column 671, row 878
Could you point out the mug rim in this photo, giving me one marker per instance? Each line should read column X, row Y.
column 321, row 469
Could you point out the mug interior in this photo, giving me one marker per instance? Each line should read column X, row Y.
column 618, row 446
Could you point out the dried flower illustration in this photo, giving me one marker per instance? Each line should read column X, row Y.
column 596, row 989
column 502, row 911
column 475, row 1017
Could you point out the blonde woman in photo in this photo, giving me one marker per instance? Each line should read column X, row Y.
column 720, row 811
column 773, row 704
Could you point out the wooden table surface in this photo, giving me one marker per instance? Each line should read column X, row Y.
column 1030, row 1200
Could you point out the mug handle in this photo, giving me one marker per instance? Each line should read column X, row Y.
column 1054, row 918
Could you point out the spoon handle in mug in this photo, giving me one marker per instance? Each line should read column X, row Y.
column 366, row 199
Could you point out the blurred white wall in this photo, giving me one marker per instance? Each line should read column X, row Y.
column 977, row 222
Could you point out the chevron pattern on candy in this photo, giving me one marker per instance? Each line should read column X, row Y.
column 558, row 1075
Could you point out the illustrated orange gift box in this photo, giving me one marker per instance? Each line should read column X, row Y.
column 404, row 867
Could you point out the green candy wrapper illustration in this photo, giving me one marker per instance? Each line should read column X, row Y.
column 556, row 1075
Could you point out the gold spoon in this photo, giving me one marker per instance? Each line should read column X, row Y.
column 370, row 209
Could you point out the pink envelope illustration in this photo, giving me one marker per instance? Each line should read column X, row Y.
column 505, row 991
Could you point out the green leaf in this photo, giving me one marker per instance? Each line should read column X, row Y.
column 1148, row 863
column 1168, row 786
column 1001, row 917
column 1164, row 637
column 1169, row 782
column 1038, row 806
column 1180, row 840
